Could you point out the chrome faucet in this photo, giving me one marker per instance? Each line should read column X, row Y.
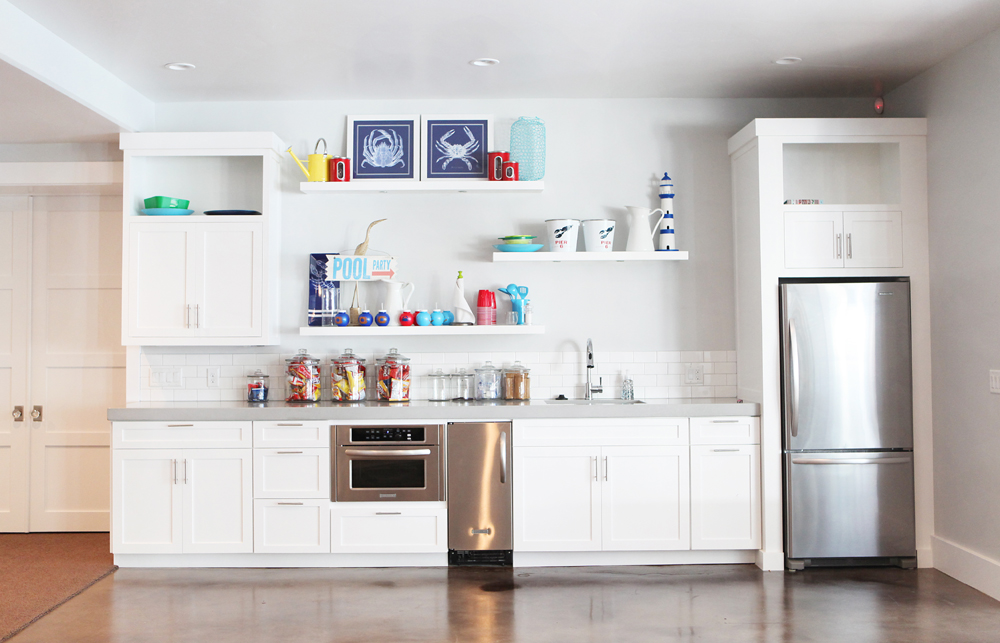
column 591, row 389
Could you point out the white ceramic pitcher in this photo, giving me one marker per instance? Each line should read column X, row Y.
column 640, row 235
column 395, row 301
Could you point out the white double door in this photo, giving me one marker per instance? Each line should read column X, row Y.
column 61, row 359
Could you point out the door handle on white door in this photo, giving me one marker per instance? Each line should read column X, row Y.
column 185, row 470
column 187, row 317
column 594, row 458
column 173, row 463
column 849, row 250
column 18, row 414
column 197, row 315
column 36, row 414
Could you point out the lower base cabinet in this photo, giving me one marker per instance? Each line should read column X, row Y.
column 182, row 501
column 725, row 496
column 388, row 527
column 291, row 526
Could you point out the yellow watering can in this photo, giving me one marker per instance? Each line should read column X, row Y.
column 318, row 170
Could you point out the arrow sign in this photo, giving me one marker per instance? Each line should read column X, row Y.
column 359, row 267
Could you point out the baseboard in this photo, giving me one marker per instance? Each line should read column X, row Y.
column 770, row 561
column 967, row 566
column 925, row 557
column 282, row 560
column 589, row 558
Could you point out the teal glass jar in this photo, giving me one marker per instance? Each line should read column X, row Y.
column 527, row 147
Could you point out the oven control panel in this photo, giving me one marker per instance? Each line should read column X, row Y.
column 388, row 434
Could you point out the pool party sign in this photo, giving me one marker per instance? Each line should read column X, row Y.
column 359, row 268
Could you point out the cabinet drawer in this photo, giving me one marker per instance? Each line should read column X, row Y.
column 388, row 527
column 605, row 432
column 187, row 435
column 725, row 430
column 291, row 434
column 291, row 473
column 300, row 526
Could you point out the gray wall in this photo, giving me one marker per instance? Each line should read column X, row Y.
column 961, row 99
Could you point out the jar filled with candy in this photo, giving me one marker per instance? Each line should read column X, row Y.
column 488, row 382
column 347, row 377
column 257, row 386
column 303, row 378
column 516, row 382
column 393, row 377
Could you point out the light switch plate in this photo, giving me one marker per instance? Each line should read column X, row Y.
column 214, row 373
column 994, row 381
column 166, row 376
column 695, row 374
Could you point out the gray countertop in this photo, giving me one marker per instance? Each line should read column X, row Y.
column 426, row 410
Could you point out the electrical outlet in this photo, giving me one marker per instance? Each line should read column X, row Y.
column 214, row 373
column 166, row 376
column 994, row 381
column 695, row 374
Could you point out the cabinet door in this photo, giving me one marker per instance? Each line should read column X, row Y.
column 645, row 495
column 725, row 497
column 814, row 240
column 291, row 526
column 388, row 527
column 557, row 499
column 227, row 261
column 159, row 286
column 873, row 239
column 291, row 473
column 146, row 501
column 218, row 500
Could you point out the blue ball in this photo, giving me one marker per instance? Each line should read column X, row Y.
column 365, row 319
column 437, row 318
column 423, row 318
column 382, row 318
column 449, row 318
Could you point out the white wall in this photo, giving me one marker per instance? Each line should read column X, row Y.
column 961, row 99
column 601, row 155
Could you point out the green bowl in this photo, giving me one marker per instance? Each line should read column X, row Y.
column 517, row 238
column 166, row 202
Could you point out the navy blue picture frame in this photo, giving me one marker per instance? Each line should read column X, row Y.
column 384, row 147
column 456, row 146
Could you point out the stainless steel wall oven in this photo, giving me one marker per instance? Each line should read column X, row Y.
column 388, row 463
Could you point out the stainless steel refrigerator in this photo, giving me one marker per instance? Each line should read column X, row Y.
column 848, row 422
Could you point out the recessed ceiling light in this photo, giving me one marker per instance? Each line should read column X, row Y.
column 484, row 62
column 788, row 60
column 179, row 66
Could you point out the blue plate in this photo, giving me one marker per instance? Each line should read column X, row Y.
column 518, row 247
column 157, row 212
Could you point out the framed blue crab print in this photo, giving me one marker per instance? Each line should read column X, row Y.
column 454, row 146
column 384, row 147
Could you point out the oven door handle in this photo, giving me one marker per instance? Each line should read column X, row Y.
column 386, row 452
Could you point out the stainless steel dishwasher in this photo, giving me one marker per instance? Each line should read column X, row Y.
column 479, row 494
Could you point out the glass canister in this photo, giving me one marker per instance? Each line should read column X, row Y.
column 393, row 377
column 257, row 386
column 439, row 386
column 516, row 382
column 303, row 378
column 488, row 382
column 465, row 385
column 347, row 377
column 527, row 147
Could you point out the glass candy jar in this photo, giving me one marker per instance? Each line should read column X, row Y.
column 257, row 386
column 393, row 377
column 347, row 377
column 303, row 378
column 439, row 382
column 516, row 383
column 488, row 382
column 527, row 147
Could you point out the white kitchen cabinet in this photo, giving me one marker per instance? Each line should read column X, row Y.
column 291, row 473
column 201, row 279
column 843, row 239
column 291, row 526
column 725, row 496
column 388, row 527
column 182, row 500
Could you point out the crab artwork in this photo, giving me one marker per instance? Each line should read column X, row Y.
column 456, row 152
column 383, row 148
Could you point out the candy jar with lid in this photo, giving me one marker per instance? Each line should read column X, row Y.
column 439, row 381
column 465, row 385
column 393, row 383
column 257, row 386
column 347, row 377
column 487, row 382
column 303, row 378
column 516, row 383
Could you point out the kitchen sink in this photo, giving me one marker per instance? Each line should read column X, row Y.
column 603, row 400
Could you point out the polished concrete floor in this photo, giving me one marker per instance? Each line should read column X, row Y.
column 731, row 603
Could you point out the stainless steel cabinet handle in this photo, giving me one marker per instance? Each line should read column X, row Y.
column 174, row 426
column 605, row 468
column 173, row 463
column 281, row 424
column 197, row 315
column 18, row 414
column 594, row 458
column 793, row 402
column 290, row 503
column 388, row 513
column 503, row 457
column 287, row 452
column 187, row 317
column 839, row 254
column 185, row 470
column 725, row 450
column 36, row 414
column 850, row 460
column 725, row 421
column 849, row 250
column 387, row 453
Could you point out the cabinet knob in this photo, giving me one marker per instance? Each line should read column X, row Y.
column 36, row 414
column 18, row 414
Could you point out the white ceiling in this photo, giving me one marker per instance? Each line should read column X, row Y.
column 342, row 49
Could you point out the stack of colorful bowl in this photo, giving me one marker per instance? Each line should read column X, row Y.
column 518, row 243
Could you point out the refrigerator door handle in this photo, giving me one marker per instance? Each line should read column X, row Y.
column 503, row 457
column 793, row 361
column 896, row 460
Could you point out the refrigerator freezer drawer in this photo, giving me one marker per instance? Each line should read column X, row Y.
column 849, row 504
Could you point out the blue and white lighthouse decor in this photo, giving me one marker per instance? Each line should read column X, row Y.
column 666, row 237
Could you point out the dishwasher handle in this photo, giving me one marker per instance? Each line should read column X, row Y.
column 503, row 457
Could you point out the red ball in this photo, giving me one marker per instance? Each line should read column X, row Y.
column 406, row 318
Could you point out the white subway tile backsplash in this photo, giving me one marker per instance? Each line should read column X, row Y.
column 655, row 374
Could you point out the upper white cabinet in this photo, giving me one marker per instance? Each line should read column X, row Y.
column 201, row 279
column 843, row 239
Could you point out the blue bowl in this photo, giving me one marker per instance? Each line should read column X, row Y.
column 158, row 212
column 518, row 247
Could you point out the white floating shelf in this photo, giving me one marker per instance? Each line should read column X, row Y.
column 421, row 331
column 675, row 255
column 442, row 185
